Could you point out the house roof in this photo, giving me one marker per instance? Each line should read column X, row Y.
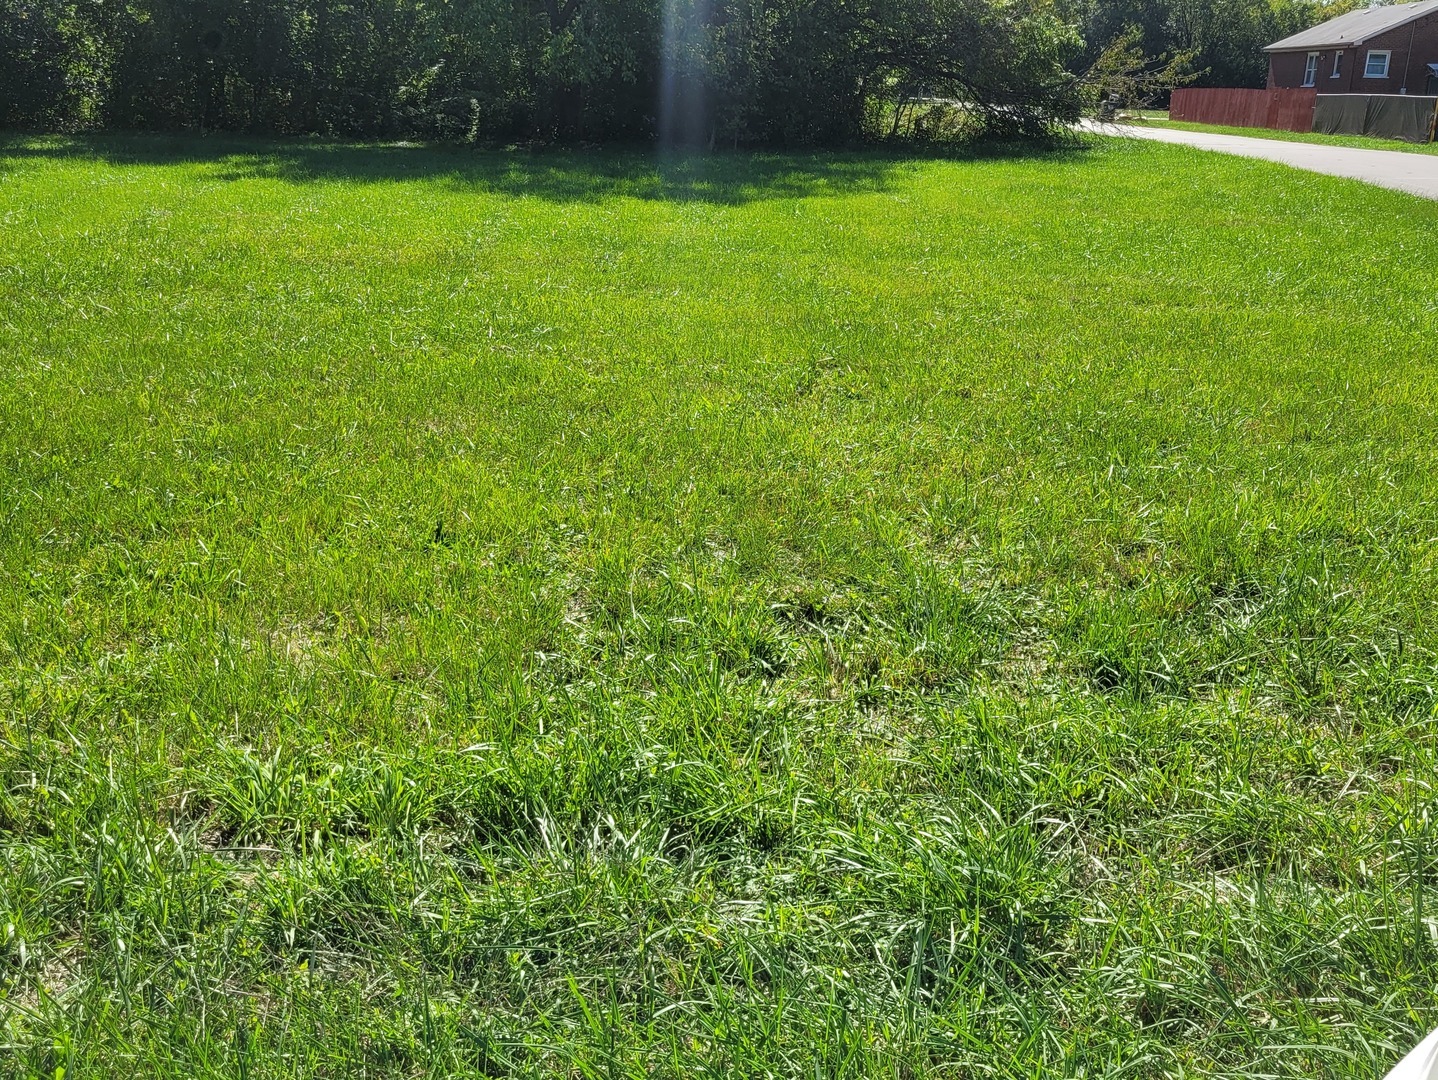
column 1356, row 27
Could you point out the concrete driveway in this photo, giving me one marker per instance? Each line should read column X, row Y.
column 1416, row 174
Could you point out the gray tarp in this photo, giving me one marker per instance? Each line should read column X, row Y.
column 1384, row 116
column 1340, row 114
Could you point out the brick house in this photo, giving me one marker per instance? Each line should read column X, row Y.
column 1378, row 50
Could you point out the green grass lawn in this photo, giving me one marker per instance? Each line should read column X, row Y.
column 1358, row 142
column 577, row 615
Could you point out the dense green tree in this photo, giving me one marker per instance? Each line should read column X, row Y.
column 54, row 60
column 1222, row 39
column 32, row 58
column 736, row 71
column 1227, row 36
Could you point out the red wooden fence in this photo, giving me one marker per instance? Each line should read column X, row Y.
column 1285, row 110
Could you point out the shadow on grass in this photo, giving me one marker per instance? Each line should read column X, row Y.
column 554, row 175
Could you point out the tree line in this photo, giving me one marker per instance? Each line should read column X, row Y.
column 1216, row 42
column 740, row 72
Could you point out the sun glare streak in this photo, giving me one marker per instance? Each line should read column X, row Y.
column 682, row 114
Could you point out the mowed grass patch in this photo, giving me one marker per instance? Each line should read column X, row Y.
column 591, row 615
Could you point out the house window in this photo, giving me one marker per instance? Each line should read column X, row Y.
column 1337, row 64
column 1377, row 65
column 1310, row 72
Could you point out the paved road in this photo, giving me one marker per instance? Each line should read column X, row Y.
column 1414, row 173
